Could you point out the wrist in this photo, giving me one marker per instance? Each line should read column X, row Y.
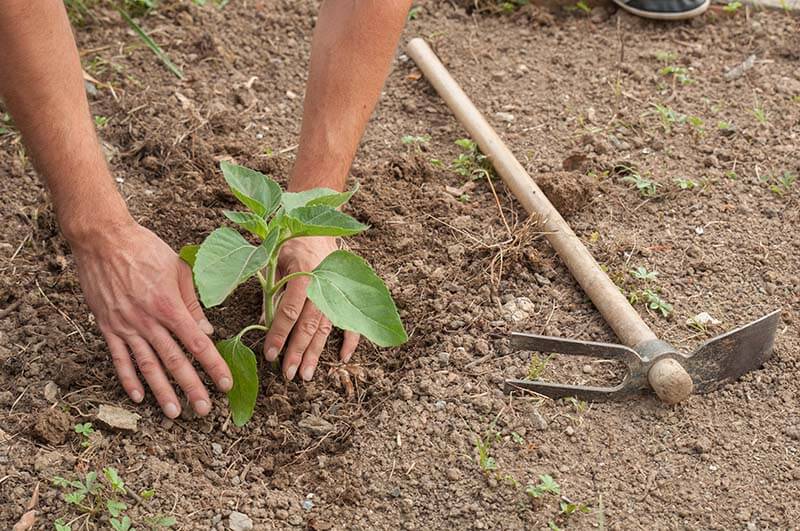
column 92, row 230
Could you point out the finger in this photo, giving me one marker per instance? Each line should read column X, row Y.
column 314, row 349
column 153, row 373
column 303, row 332
column 177, row 319
column 189, row 296
column 349, row 345
column 123, row 364
column 289, row 309
column 181, row 369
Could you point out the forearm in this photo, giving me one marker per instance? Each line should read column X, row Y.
column 352, row 49
column 41, row 84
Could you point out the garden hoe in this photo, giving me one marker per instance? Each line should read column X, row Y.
column 673, row 375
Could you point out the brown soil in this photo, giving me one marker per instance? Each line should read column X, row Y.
column 402, row 451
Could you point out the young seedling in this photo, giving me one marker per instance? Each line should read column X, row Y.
column 343, row 287
column 668, row 116
column 94, row 496
column 666, row 57
column 686, row 184
column 732, row 7
column 471, row 163
column 415, row 143
column 414, row 12
column 536, row 366
column 546, row 485
column 680, row 73
column 760, row 114
column 485, row 460
column 646, row 187
column 655, row 302
column 783, row 183
column 101, row 121
column 641, row 273
column 85, row 430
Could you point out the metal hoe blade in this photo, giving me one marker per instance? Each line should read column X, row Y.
column 717, row 362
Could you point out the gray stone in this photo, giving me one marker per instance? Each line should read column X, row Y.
column 239, row 522
column 51, row 392
column 118, row 418
column 316, row 425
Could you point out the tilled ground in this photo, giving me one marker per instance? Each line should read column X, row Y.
column 585, row 101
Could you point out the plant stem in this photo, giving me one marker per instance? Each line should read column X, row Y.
column 249, row 328
column 276, row 288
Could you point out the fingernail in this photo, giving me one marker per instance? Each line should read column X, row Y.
column 225, row 384
column 136, row 395
column 272, row 354
column 206, row 327
column 308, row 373
column 171, row 410
column 290, row 372
column 202, row 407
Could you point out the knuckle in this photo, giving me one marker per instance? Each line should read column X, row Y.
column 197, row 343
column 148, row 365
column 290, row 310
column 309, row 327
column 163, row 306
column 325, row 327
column 173, row 358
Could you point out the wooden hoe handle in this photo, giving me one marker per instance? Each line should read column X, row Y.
column 607, row 298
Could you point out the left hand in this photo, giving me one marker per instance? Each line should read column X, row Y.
column 298, row 325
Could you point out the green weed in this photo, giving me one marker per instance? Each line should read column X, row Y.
column 732, row 7
column 86, row 431
column 537, row 366
column 546, row 485
column 471, row 162
column 641, row 273
column 414, row 12
column 782, row 184
column 760, row 114
column 680, row 73
column 645, row 187
column 686, row 184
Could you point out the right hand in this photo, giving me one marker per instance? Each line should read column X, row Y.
column 141, row 294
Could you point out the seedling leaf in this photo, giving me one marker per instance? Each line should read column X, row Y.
column 111, row 474
column 346, row 289
column 242, row 363
column 115, row 507
column 314, row 197
column 250, row 222
column 321, row 220
column 225, row 260
column 121, row 525
column 255, row 190
column 188, row 253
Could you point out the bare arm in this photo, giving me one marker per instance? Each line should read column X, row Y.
column 352, row 49
column 139, row 291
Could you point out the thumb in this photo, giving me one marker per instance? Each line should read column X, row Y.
column 189, row 297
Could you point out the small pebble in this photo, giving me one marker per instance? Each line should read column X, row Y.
column 453, row 474
column 570, row 431
column 405, row 392
column 587, row 369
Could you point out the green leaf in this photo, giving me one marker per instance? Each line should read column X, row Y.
column 242, row 363
column 225, row 260
column 188, row 253
column 121, row 525
column 61, row 526
column 321, row 220
column 315, row 197
column 115, row 507
column 255, row 190
column 111, row 474
column 250, row 222
column 147, row 494
column 166, row 521
column 346, row 289
column 74, row 498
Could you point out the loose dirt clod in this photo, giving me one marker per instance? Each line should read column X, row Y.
column 52, row 425
column 118, row 418
column 568, row 191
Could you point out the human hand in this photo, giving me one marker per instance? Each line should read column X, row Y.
column 141, row 294
column 298, row 324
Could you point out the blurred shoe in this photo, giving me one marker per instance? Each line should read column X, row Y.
column 664, row 9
